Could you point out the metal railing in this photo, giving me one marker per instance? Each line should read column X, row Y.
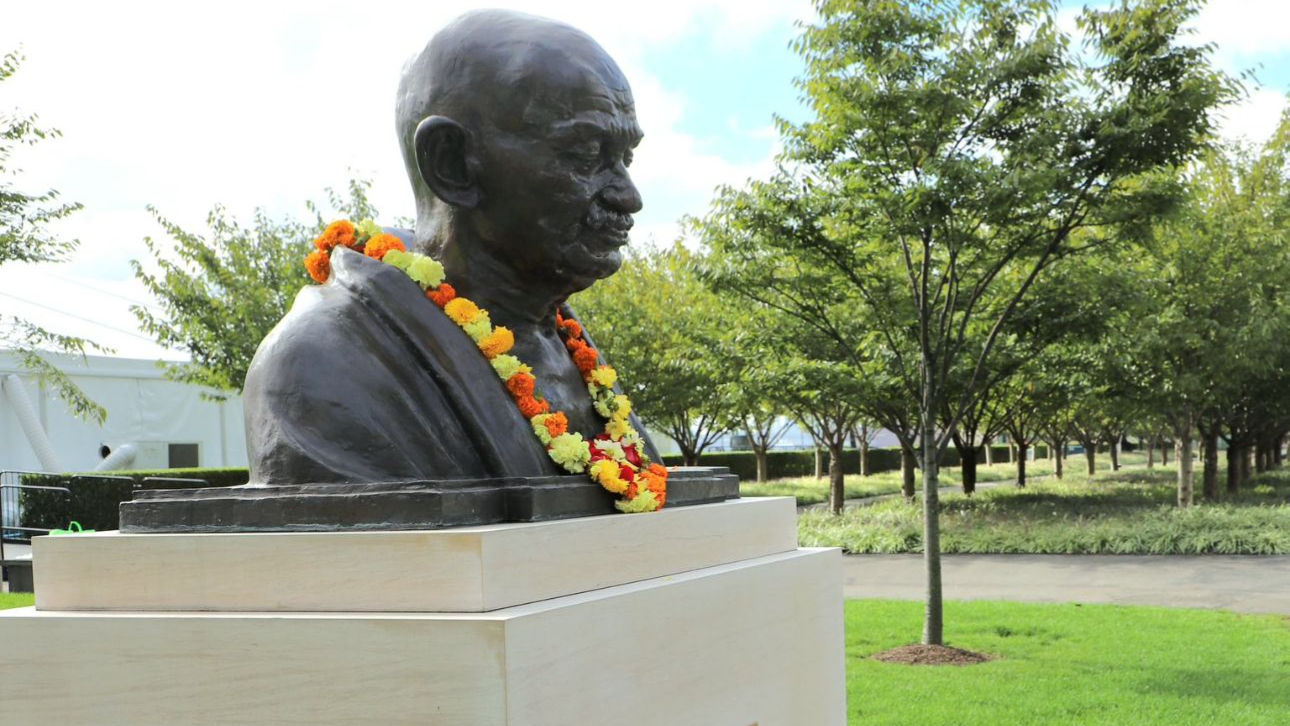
column 11, row 490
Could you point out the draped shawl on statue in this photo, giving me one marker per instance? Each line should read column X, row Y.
column 366, row 380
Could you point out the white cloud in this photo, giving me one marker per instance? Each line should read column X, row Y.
column 254, row 104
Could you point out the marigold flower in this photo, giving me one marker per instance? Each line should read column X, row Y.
column 521, row 384
column 530, row 406
column 338, row 234
column 507, row 366
column 425, row 271
column 570, row 451
column 604, row 376
column 618, row 428
column 556, row 424
column 399, row 259
column 441, row 295
column 461, row 310
column 570, row 327
column 377, row 246
column 643, row 502
column 585, row 359
column 499, row 341
column 318, row 263
column 368, row 228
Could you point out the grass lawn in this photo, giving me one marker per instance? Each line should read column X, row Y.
column 16, row 599
column 1070, row 664
column 1132, row 512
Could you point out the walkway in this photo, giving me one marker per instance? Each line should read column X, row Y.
column 1249, row 584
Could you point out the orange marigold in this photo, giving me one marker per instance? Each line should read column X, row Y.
column 442, row 295
column 521, row 385
column 318, row 263
column 382, row 243
column 586, row 360
column 530, row 406
column 556, row 424
column 338, row 234
column 632, row 490
column 571, row 328
column 497, row 342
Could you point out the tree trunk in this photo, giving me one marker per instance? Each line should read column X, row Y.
column 1151, row 453
column 1260, row 453
column 1061, row 458
column 1233, row 468
column 1021, row 464
column 1209, row 479
column 968, row 468
column 1115, row 455
column 864, row 455
column 934, row 615
column 819, row 462
column 907, row 472
column 989, row 453
column 1090, row 453
column 1182, row 450
column 763, row 466
column 689, row 457
column 1164, row 453
column 837, row 491
column 1245, row 464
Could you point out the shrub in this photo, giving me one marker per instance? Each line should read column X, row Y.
column 96, row 497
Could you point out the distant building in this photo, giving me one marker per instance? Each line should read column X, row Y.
column 152, row 422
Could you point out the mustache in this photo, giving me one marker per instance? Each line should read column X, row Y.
column 603, row 219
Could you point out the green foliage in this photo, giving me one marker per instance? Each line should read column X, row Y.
column 1130, row 513
column 24, row 239
column 670, row 339
column 1094, row 665
column 221, row 292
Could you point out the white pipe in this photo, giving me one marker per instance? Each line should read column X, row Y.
column 119, row 459
column 30, row 423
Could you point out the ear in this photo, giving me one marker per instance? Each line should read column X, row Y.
column 444, row 156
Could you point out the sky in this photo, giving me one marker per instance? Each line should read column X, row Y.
column 184, row 105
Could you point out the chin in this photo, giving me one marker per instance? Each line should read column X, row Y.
column 583, row 272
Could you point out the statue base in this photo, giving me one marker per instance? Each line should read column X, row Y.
column 696, row 616
column 399, row 505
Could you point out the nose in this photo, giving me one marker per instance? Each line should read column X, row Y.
column 621, row 195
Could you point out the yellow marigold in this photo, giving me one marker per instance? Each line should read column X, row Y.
column 605, row 473
column 497, row 342
column 622, row 406
column 604, row 376
column 461, row 310
column 618, row 428
column 398, row 258
column 426, row 271
column 318, row 263
column 377, row 246
column 479, row 328
column 507, row 366
column 338, row 234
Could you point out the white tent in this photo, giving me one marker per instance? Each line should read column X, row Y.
column 167, row 424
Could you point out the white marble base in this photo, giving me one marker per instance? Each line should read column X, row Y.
column 756, row 642
column 465, row 569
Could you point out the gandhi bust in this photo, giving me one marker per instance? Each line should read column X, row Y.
column 517, row 133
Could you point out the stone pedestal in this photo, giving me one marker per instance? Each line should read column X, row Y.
column 706, row 615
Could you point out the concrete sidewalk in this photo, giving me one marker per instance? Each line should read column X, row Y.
column 1249, row 584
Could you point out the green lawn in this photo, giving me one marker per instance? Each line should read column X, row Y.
column 1071, row 664
column 1132, row 512
column 16, row 599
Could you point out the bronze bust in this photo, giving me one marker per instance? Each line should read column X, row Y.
column 517, row 133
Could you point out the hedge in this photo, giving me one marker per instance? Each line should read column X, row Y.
column 96, row 496
column 782, row 464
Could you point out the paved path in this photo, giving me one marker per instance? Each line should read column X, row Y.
column 1250, row 584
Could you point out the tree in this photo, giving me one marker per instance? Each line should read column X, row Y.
column 222, row 292
column 672, row 351
column 24, row 239
column 955, row 151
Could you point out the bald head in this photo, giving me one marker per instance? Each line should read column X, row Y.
column 501, row 68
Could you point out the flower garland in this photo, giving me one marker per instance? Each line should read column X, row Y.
column 614, row 459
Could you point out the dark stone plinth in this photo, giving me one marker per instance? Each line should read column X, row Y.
column 399, row 505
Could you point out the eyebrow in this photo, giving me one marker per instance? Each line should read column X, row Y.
column 629, row 132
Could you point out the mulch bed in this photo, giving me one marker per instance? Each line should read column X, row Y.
column 931, row 655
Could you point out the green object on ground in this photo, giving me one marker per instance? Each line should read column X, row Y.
column 1092, row 665
column 1132, row 512
column 73, row 527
